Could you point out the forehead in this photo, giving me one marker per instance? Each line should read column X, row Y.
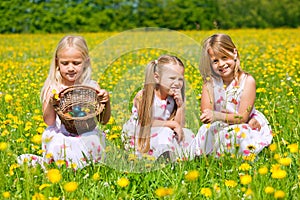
column 173, row 69
column 69, row 52
column 218, row 52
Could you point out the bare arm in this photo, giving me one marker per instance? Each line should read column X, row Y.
column 49, row 114
column 246, row 105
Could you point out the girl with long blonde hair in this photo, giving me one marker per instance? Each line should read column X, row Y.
column 231, row 122
column 156, row 126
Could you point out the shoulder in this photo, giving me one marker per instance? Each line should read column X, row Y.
column 249, row 79
column 93, row 84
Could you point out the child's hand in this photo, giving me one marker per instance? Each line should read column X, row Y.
column 177, row 97
column 103, row 96
column 254, row 124
column 179, row 134
column 207, row 116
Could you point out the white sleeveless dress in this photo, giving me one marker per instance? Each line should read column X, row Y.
column 162, row 138
column 220, row 137
column 76, row 151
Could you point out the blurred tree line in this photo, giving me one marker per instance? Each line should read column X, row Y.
column 50, row 16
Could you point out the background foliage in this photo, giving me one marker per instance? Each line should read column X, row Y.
column 54, row 16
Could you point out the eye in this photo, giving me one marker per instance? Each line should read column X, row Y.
column 215, row 61
column 76, row 63
column 64, row 62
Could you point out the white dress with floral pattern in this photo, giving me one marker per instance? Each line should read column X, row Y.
column 220, row 137
column 162, row 138
column 75, row 151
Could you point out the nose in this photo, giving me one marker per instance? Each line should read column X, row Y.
column 221, row 63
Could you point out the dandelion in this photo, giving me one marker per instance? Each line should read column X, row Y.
column 12, row 167
column 38, row 196
column 8, row 98
column 71, row 186
column 58, row 163
column 293, row 148
column 263, row 170
column 279, row 194
column 244, row 167
column 269, row 190
column 192, row 175
column 245, row 179
column 3, row 146
column 206, row 192
column 54, row 175
column 6, row 195
column 285, row 161
column 250, row 157
column 123, row 182
column 273, row 147
column 96, row 176
column 230, row 183
column 248, row 192
column 37, row 139
column 162, row 192
column 279, row 174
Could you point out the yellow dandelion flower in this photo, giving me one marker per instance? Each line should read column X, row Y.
column 38, row 196
column 248, row 192
column 123, row 182
column 245, row 167
column 208, row 125
column 70, row 186
column 230, row 183
column 54, row 175
column 40, row 130
column 279, row 194
column 269, row 190
column 279, row 174
column 192, row 175
column 277, row 156
column 293, row 148
column 96, row 176
column 37, row 139
column 49, row 155
column 53, row 91
column 59, row 163
column 273, row 147
column 206, row 192
column 245, row 179
column 8, row 98
column 3, row 146
column 162, row 192
column 6, row 195
column 243, row 135
column 285, row 161
column 263, row 170
column 73, row 166
column 237, row 129
column 12, row 167
column 250, row 157
column 44, row 186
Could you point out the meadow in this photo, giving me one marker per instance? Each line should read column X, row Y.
column 272, row 56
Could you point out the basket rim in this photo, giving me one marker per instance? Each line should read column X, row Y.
column 70, row 88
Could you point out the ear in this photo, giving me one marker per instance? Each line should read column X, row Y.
column 156, row 77
column 235, row 54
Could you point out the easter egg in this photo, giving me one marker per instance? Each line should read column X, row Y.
column 81, row 114
column 68, row 114
column 71, row 113
column 76, row 109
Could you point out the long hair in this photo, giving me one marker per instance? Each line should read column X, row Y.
column 145, row 106
column 218, row 43
column 54, row 79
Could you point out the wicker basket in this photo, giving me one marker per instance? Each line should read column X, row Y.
column 84, row 98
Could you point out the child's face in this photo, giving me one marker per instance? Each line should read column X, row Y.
column 222, row 64
column 70, row 64
column 171, row 79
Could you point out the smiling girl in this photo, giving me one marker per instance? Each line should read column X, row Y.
column 156, row 126
column 70, row 66
column 231, row 122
